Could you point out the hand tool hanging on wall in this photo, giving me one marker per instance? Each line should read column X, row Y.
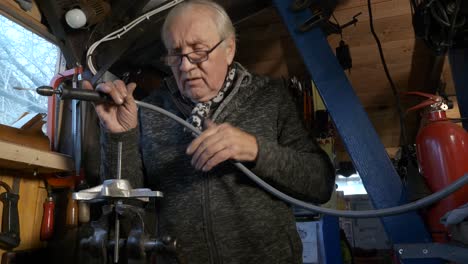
column 53, row 132
column 72, row 210
column 47, row 224
column 10, row 235
column 321, row 11
column 344, row 55
column 48, row 217
column 342, row 52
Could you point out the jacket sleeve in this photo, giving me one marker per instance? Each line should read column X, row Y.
column 132, row 168
column 295, row 163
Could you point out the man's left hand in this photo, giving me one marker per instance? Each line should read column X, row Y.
column 219, row 143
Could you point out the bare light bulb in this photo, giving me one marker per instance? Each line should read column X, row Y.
column 75, row 18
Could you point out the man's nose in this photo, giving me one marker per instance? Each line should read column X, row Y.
column 185, row 64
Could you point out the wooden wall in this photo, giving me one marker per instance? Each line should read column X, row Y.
column 25, row 150
column 260, row 44
column 265, row 47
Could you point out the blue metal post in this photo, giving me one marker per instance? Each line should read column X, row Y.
column 330, row 240
column 459, row 65
column 380, row 179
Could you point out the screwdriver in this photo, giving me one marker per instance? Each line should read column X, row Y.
column 47, row 224
column 68, row 94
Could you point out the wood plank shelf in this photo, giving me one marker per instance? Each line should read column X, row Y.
column 19, row 157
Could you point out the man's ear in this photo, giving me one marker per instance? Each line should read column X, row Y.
column 230, row 49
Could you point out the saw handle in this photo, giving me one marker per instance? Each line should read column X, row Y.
column 72, row 211
column 47, row 225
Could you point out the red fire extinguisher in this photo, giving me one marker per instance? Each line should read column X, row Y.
column 442, row 152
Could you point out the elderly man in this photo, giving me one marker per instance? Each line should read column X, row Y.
column 217, row 214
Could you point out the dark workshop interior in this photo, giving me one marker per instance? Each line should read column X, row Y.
column 382, row 86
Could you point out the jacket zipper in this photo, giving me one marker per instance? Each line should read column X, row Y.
column 214, row 256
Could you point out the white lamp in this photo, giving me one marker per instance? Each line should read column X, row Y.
column 75, row 18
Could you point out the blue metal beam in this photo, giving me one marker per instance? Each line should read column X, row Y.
column 330, row 240
column 459, row 65
column 367, row 152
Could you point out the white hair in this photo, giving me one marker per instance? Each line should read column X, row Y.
column 220, row 17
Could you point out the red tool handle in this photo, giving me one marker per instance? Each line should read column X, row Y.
column 47, row 225
column 72, row 212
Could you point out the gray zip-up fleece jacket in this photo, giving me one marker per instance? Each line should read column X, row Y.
column 221, row 216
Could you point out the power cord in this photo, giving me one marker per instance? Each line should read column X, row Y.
column 122, row 31
column 403, row 131
column 421, row 203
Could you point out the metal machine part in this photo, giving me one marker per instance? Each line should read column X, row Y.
column 114, row 188
column 117, row 191
column 453, row 253
column 441, row 24
column 138, row 244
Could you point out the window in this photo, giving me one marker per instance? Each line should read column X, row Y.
column 351, row 185
column 27, row 61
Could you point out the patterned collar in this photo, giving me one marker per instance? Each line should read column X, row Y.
column 204, row 110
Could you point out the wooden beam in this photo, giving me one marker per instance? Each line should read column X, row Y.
column 18, row 157
column 28, row 20
column 31, row 138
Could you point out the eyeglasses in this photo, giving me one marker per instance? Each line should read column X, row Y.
column 194, row 56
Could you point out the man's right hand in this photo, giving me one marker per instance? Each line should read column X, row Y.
column 122, row 115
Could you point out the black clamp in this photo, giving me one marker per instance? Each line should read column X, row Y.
column 136, row 247
column 10, row 235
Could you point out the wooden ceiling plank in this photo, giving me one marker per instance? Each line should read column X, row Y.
column 28, row 20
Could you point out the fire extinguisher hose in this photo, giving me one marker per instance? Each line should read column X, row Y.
column 418, row 204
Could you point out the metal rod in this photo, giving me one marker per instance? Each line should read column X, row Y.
column 116, row 234
column 119, row 160
column 117, row 221
column 23, row 89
